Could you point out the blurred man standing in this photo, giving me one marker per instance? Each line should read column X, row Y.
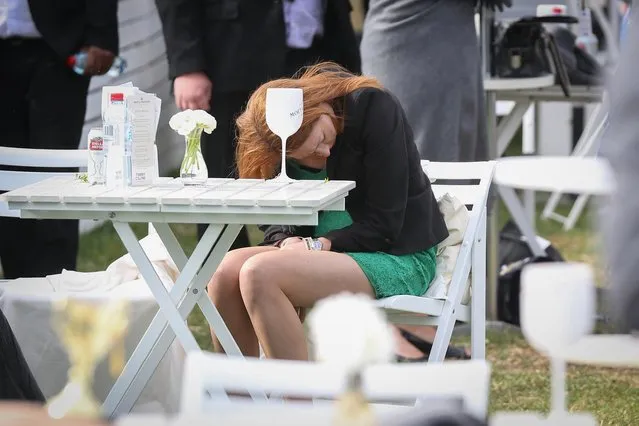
column 219, row 51
column 43, row 106
column 620, row 220
column 427, row 53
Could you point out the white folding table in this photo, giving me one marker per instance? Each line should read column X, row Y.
column 225, row 204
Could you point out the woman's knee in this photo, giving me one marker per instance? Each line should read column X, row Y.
column 225, row 280
column 257, row 277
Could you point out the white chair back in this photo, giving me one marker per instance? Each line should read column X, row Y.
column 478, row 176
column 34, row 158
column 206, row 375
column 469, row 182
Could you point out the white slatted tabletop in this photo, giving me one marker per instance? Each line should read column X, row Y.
column 241, row 201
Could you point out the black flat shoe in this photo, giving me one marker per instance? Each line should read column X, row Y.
column 404, row 359
column 452, row 352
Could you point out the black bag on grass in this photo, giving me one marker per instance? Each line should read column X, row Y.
column 514, row 254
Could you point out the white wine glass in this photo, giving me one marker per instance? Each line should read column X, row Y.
column 284, row 114
column 558, row 305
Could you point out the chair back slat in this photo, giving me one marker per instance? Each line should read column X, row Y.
column 467, row 194
column 26, row 157
column 10, row 180
column 207, row 373
column 457, row 171
column 35, row 158
column 469, row 182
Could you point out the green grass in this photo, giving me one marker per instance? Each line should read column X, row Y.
column 520, row 379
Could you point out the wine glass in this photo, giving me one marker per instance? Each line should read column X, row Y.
column 284, row 113
column 557, row 309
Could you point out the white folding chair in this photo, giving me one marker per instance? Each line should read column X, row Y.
column 35, row 158
column 587, row 146
column 208, row 376
column 454, row 178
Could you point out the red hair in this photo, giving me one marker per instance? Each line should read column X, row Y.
column 258, row 149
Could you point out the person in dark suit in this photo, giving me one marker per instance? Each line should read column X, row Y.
column 220, row 51
column 43, row 106
column 383, row 244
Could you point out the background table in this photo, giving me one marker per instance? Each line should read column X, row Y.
column 225, row 204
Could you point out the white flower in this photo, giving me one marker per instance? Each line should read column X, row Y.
column 205, row 120
column 184, row 122
column 350, row 331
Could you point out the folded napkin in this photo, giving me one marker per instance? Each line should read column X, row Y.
column 121, row 277
column 121, row 271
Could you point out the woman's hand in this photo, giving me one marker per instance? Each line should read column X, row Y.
column 326, row 244
column 290, row 240
column 295, row 245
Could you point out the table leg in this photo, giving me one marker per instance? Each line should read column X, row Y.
column 509, row 125
column 492, row 228
column 156, row 286
column 172, row 244
column 150, row 350
column 159, row 336
column 519, row 216
column 528, row 147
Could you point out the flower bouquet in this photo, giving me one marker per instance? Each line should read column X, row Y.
column 190, row 124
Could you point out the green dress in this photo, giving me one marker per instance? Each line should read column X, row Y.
column 389, row 275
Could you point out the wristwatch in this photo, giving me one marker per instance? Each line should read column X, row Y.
column 312, row 243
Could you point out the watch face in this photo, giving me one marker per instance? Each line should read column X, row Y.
column 317, row 245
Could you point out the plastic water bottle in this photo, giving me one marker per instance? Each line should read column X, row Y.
column 79, row 61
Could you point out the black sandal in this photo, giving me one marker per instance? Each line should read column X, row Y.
column 405, row 359
column 452, row 352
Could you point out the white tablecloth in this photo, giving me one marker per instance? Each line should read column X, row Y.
column 27, row 304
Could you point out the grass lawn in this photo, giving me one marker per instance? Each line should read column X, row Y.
column 520, row 375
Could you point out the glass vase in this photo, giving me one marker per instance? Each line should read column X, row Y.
column 193, row 170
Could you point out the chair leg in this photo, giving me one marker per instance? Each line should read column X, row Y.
column 442, row 336
column 478, row 299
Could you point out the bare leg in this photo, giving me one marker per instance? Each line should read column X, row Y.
column 274, row 284
column 403, row 347
column 224, row 291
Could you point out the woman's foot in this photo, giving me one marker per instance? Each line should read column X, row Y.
column 405, row 351
column 411, row 348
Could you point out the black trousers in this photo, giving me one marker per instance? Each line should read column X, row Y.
column 43, row 106
column 218, row 148
column 16, row 380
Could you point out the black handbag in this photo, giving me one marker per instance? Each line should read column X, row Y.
column 581, row 67
column 524, row 49
column 514, row 255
